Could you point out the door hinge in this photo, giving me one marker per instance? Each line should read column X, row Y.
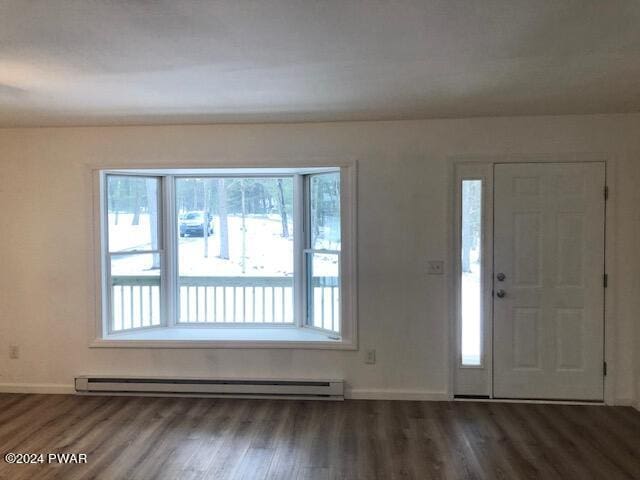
column 605, row 280
column 606, row 192
column 604, row 368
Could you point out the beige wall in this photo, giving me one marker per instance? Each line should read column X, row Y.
column 404, row 198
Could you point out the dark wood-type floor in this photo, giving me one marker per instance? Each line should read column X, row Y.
column 189, row 438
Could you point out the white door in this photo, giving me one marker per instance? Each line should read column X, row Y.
column 549, row 306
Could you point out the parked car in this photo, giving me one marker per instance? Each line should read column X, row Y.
column 193, row 223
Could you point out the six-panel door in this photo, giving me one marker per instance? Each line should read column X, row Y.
column 549, row 304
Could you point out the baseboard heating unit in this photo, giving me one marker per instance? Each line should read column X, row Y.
column 211, row 387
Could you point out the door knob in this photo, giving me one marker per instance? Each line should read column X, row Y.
column 501, row 276
column 500, row 293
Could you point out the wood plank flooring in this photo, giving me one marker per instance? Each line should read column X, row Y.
column 189, row 438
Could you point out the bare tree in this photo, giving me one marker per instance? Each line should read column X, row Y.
column 283, row 210
column 224, row 223
column 113, row 205
column 152, row 200
column 137, row 202
column 243, row 259
column 471, row 198
column 206, row 217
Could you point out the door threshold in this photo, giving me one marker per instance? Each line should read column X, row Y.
column 486, row 399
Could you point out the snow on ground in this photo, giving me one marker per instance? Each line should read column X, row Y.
column 471, row 308
column 266, row 253
column 125, row 236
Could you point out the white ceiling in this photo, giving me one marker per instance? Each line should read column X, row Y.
column 72, row 62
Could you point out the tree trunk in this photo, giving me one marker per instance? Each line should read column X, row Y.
column 113, row 205
column 466, row 248
column 283, row 210
column 205, row 226
column 137, row 206
column 243, row 260
column 194, row 198
column 319, row 217
column 224, row 225
column 152, row 195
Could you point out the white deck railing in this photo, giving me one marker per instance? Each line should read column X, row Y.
column 135, row 302
column 236, row 300
column 222, row 300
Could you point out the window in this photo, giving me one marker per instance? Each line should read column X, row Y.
column 235, row 250
column 217, row 249
column 323, row 251
column 470, row 272
column 133, row 252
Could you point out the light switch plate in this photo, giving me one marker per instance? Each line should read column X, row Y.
column 435, row 267
column 370, row 357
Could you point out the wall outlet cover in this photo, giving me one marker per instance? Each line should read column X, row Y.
column 14, row 352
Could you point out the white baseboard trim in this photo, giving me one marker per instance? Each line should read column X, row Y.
column 355, row 394
column 46, row 388
column 627, row 402
column 530, row 401
column 379, row 394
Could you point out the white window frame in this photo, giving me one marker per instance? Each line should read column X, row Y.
column 307, row 252
column 474, row 379
column 219, row 335
column 107, row 255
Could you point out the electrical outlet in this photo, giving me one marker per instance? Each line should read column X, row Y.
column 435, row 267
column 14, row 352
column 370, row 357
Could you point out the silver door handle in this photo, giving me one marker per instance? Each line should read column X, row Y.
column 500, row 293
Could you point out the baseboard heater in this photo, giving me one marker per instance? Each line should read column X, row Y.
column 211, row 387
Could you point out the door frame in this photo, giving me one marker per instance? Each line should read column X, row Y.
column 462, row 380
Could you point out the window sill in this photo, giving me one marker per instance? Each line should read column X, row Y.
column 197, row 337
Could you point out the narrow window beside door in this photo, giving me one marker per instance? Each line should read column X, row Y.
column 471, row 265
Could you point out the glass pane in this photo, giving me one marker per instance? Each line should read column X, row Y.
column 325, row 211
column 235, row 249
column 471, row 250
column 135, row 291
column 133, row 213
column 324, row 290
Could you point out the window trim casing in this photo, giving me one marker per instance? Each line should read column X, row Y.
column 106, row 254
column 100, row 337
column 307, row 251
column 473, row 379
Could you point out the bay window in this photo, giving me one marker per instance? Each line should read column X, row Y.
column 226, row 255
